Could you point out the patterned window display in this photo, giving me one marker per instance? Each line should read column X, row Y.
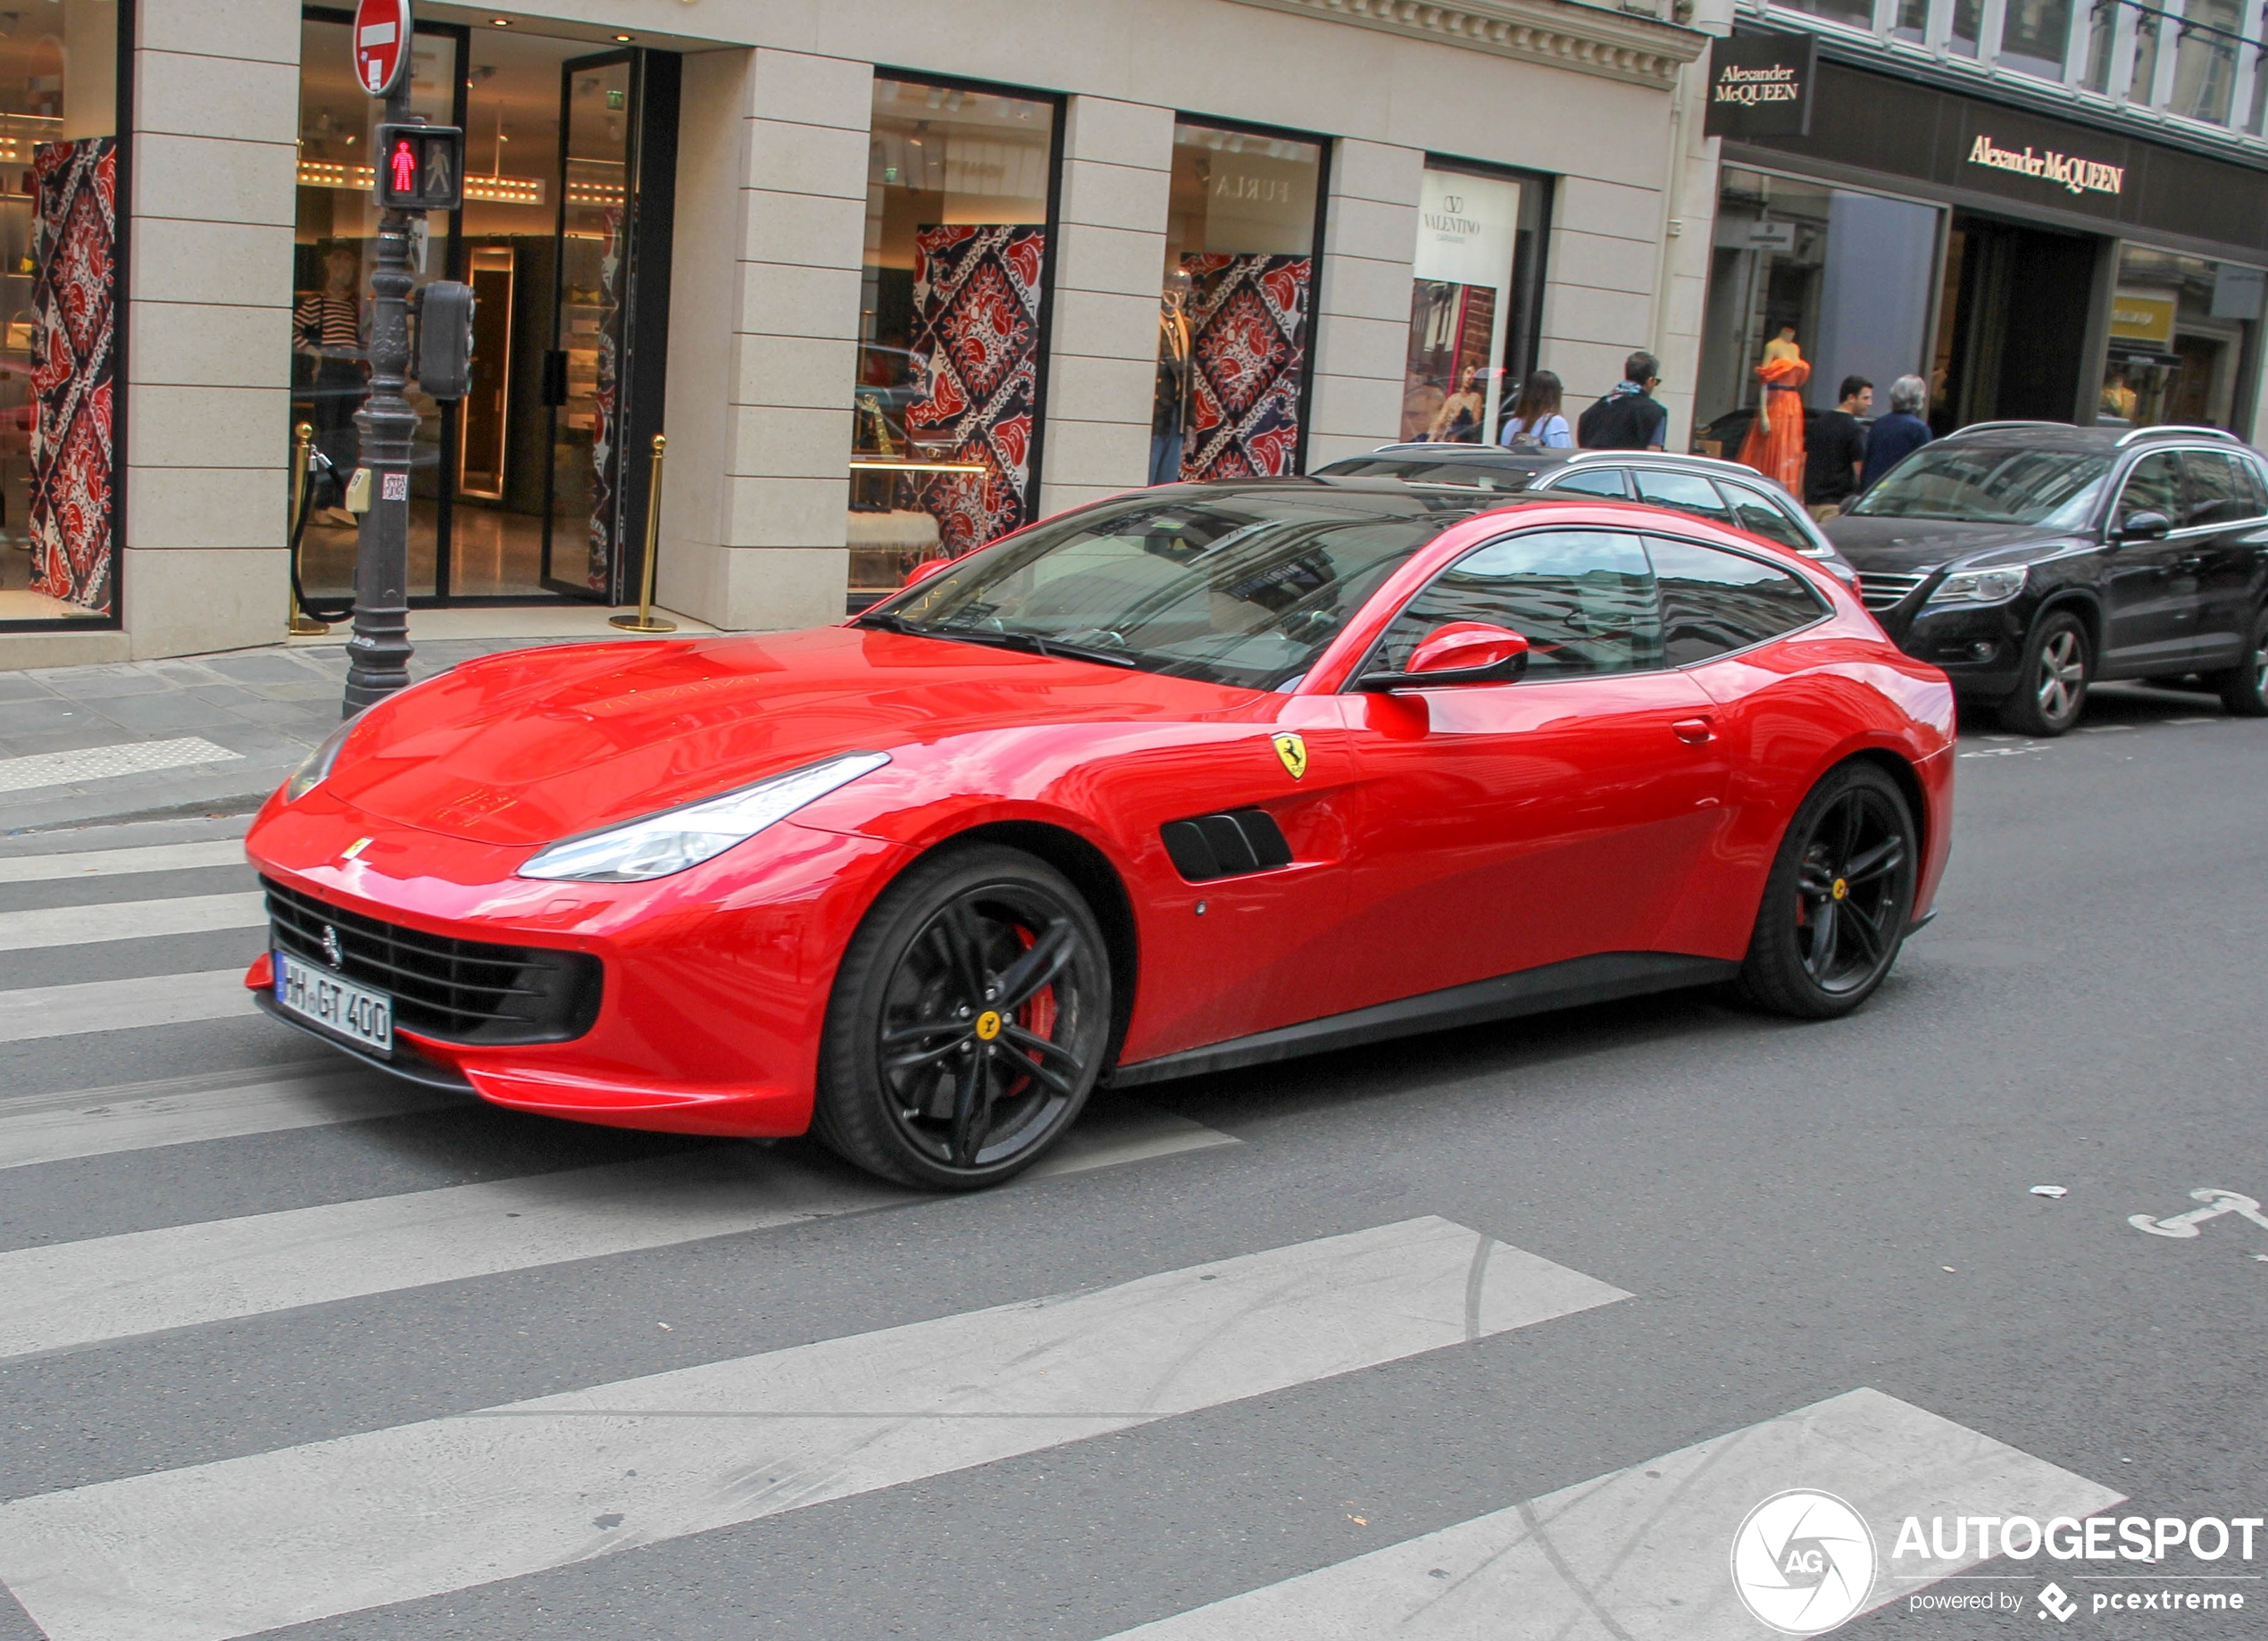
column 1236, row 314
column 62, row 272
column 952, row 313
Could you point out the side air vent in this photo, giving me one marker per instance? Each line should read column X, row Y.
column 1226, row 846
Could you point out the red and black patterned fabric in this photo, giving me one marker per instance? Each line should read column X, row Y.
column 74, row 307
column 976, row 331
column 1249, row 344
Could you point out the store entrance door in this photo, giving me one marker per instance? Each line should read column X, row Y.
column 2011, row 333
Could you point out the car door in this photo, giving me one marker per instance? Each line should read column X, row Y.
column 1507, row 826
column 2221, row 538
column 2150, row 600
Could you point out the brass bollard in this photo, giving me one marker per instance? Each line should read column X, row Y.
column 301, row 624
column 644, row 622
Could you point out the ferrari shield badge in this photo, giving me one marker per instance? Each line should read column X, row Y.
column 1292, row 751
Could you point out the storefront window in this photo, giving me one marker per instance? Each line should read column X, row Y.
column 1234, row 317
column 60, row 285
column 1471, row 333
column 2182, row 340
column 2205, row 60
column 1851, row 273
column 2035, row 36
column 945, row 425
column 2101, row 35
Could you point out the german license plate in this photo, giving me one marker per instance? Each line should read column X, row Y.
column 363, row 1017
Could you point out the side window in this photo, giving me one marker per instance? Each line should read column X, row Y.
column 2218, row 493
column 1753, row 512
column 1583, row 599
column 1713, row 603
column 2153, row 486
column 1685, row 491
column 2256, row 491
column 1594, row 481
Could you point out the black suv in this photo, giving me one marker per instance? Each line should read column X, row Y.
column 2031, row 559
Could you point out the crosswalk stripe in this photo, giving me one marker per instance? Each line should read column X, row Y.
column 250, row 1544
column 121, row 863
column 62, row 1295
column 177, row 1110
column 130, row 920
column 55, row 769
column 1646, row 1553
column 117, row 1005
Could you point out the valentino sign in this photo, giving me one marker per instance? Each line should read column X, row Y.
column 2075, row 175
column 1760, row 85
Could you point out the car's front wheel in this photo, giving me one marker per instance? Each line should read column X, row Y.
column 2244, row 688
column 968, row 1024
column 1840, row 898
column 2051, row 687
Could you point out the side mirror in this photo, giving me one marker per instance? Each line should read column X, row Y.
column 923, row 570
column 1461, row 653
column 2142, row 526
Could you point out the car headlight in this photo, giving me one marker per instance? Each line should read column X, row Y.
column 1979, row 586
column 657, row 846
column 310, row 775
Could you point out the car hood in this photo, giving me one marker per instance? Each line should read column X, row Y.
column 1908, row 545
column 539, row 745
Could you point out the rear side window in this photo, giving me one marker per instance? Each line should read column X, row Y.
column 1594, row 481
column 2218, row 491
column 1715, row 602
column 1753, row 512
column 1685, row 491
column 1583, row 599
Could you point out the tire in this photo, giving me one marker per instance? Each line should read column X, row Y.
column 2243, row 688
column 2058, row 659
column 1839, row 899
column 927, row 1074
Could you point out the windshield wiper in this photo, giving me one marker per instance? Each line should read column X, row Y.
column 1031, row 644
column 882, row 620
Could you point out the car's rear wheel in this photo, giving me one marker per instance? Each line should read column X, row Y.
column 1839, row 899
column 2244, row 688
column 968, row 1024
column 2054, row 673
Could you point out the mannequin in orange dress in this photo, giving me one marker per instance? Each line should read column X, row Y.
column 1774, row 447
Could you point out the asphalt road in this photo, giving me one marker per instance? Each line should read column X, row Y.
column 248, row 1303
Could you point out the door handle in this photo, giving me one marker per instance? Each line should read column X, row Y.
column 1694, row 731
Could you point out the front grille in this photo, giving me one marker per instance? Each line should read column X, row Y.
column 1885, row 592
column 457, row 991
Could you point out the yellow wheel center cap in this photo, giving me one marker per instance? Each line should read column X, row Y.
column 1841, row 888
column 988, row 1023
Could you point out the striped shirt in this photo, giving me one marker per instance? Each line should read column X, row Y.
column 332, row 323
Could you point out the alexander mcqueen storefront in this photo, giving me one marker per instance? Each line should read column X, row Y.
column 2028, row 266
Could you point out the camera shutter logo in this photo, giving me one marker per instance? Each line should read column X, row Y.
column 1803, row 1562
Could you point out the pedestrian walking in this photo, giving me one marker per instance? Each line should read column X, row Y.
column 1899, row 435
column 1837, row 450
column 1630, row 418
column 1535, row 422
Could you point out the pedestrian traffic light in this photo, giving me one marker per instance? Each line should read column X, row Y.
column 420, row 167
column 444, row 339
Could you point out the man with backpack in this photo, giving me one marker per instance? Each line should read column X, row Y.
column 1630, row 418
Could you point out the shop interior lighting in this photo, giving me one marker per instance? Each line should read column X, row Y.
column 500, row 22
column 624, row 39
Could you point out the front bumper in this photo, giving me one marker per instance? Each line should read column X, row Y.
column 1979, row 647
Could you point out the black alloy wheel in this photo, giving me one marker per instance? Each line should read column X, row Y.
column 2244, row 688
column 969, row 1021
column 1840, row 898
column 2051, row 690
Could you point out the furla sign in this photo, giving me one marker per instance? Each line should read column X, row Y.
column 1760, row 85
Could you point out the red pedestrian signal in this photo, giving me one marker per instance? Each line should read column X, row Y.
column 420, row 167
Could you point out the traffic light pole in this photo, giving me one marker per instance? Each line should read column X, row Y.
column 378, row 656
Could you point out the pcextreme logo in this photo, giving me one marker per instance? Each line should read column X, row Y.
column 1803, row 1562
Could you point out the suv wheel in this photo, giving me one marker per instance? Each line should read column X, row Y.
column 2057, row 661
column 2244, row 688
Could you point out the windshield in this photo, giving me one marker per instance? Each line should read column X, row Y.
column 1244, row 589
column 1990, row 484
column 1416, row 469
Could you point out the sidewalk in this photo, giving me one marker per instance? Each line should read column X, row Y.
column 214, row 734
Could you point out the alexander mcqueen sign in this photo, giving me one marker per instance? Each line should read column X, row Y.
column 2064, row 170
column 1760, row 85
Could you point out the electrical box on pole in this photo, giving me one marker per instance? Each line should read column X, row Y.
column 445, row 312
column 420, row 167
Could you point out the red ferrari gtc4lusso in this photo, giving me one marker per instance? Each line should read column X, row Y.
column 1192, row 778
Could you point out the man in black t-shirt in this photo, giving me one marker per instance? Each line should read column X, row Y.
column 1836, row 447
column 1630, row 418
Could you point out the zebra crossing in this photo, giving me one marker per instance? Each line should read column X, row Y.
column 373, row 1512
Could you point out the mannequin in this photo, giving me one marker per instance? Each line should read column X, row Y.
column 1774, row 447
column 1170, row 407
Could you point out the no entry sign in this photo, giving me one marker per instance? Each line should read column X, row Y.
column 381, row 44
